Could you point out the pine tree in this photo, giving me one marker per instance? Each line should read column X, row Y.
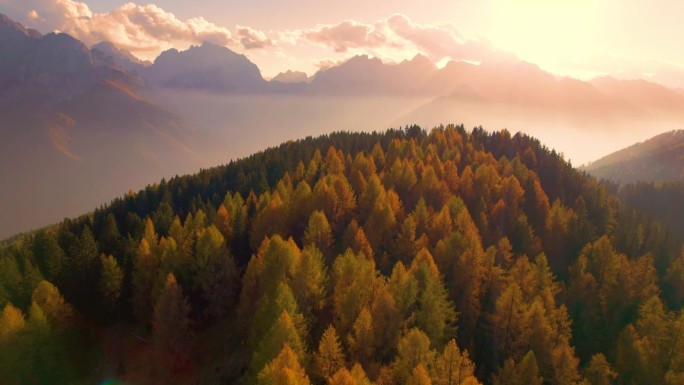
column 216, row 274
column 111, row 280
column 48, row 254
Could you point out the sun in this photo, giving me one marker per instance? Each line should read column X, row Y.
column 546, row 31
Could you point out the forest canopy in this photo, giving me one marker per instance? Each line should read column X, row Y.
column 403, row 257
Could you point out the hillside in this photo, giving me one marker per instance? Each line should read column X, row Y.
column 399, row 257
column 658, row 159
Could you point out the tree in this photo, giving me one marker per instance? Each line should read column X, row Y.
column 434, row 312
column 629, row 358
column 11, row 322
column 81, row 270
column 453, row 366
column 387, row 323
column 223, row 222
column 599, row 371
column 362, row 338
column 341, row 377
column 58, row 312
column 285, row 369
column 143, row 279
column 310, row 281
column 329, row 358
column 48, row 254
column 419, row 376
column 511, row 323
column 282, row 333
column 109, row 236
column 216, row 274
column 318, row 232
column 355, row 238
column 111, row 280
column 413, row 350
column 171, row 323
column 524, row 373
column 354, row 279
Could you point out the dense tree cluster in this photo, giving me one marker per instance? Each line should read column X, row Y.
column 408, row 257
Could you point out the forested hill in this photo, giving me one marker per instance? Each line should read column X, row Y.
column 407, row 257
column 659, row 159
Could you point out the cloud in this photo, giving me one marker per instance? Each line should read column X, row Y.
column 145, row 30
column 33, row 15
column 347, row 34
column 252, row 39
column 398, row 32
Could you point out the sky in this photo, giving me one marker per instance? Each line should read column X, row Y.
column 579, row 38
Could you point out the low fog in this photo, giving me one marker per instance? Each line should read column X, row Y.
column 218, row 128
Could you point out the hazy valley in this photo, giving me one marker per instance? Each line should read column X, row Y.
column 127, row 122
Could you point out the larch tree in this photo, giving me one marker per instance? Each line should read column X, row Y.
column 413, row 350
column 282, row 333
column 11, row 321
column 354, row 279
column 362, row 339
column 310, row 281
column 171, row 322
column 511, row 324
column 452, row 366
column 143, row 279
column 419, row 376
column 58, row 312
column 223, row 222
column 599, row 371
column 526, row 372
column 318, row 233
column 329, row 357
column 434, row 312
column 285, row 369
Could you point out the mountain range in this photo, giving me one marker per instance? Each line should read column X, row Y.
column 71, row 115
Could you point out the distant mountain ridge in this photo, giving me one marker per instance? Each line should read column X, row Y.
column 120, row 57
column 658, row 159
column 70, row 117
column 207, row 67
column 66, row 106
column 49, row 68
